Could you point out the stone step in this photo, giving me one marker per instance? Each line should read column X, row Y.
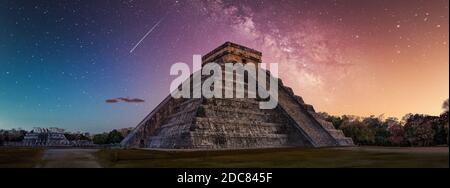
column 237, row 100
column 228, row 126
column 240, row 135
column 234, row 122
column 316, row 133
column 326, row 124
column 336, row 133
column 214, row 140
column 234, row 81
column 241, row 113
column 235, row 103
column 176, row 123
column 238, row 110
column 187, row 103
column 246, row 92
column 182, row 112
column 345, row 141
column 168, row 130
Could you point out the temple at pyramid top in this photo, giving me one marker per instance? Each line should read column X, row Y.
column 231, row 52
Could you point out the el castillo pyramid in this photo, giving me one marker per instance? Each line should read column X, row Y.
column 217, row 123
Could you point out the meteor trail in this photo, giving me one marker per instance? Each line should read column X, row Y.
column 149, row 31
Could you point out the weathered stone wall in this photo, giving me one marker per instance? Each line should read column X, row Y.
column 151, row 123
column 239, row 123
column 225, row 123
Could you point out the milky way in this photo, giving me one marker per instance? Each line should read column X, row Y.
column 60, row 60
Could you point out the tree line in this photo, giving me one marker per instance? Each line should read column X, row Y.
column 411, row 130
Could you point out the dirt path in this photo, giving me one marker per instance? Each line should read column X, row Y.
column 68, row 158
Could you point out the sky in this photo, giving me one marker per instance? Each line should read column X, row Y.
column 81, row 65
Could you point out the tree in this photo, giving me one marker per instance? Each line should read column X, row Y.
column 372, row 121
column 445, row 106
column 381, row 135
column 335, row 120
column 406, row 117
column 359, row 132
column 378, row 128
column 440, row 132
column 396, row 135
column 100, row 138
column 114, row 137
column 419, row 130
column 441, row 129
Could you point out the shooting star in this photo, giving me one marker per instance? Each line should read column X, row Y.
column 149, row 31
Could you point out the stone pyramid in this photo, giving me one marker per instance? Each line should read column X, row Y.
column 216, row 123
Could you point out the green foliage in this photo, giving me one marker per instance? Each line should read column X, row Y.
column 112, row 137
column 419, row 130
column 372, row 122
column 335, row 120
column 378, row 127
column 381, row 135
column 413, row 130
column 396, row 135
column 441, row 129
column 100, row 139
column 359, row 132
column 445, row 106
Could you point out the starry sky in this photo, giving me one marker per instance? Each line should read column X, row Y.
column 67, row 63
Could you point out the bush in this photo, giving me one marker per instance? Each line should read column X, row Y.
column 419, row 130
column 359, row 132
column 100, row 139
column 396, row 135
column 112, row 137
column 441, row 129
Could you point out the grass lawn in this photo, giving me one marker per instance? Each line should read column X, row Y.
column 281, row 157
column 19, row 157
